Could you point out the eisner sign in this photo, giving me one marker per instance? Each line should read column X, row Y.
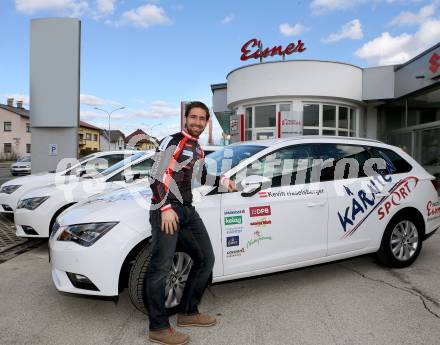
column 253, row 49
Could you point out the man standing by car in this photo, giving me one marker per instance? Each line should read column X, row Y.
column 179, row 159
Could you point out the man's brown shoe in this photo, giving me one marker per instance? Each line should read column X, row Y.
column 168, row 336
column 197, row 320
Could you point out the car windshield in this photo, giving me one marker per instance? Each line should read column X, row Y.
column 82, row 159
column 71, row 167
column 122, row 163
column 24, row 159
column 228, row 157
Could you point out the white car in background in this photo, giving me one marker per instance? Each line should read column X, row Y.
column 37, row 210
column 22, row 166
column 284, row 216
column 12, row 190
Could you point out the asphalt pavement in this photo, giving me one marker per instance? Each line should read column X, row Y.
column 349, row 302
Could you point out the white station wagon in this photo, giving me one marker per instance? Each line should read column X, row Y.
column 12, row 190
column 301, row 202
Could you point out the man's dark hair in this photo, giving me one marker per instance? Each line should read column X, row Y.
column 197, row 104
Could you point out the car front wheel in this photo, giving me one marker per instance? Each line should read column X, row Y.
column 174, row 283
column 401, row 242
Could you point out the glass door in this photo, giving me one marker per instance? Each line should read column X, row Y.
column 428, row 150
column 265, row 121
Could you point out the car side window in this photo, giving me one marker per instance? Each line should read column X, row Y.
column 342, row 161
column 395, row 163
column 286, row 166
column 99, row 164
column 143, row 168
column 113, row 159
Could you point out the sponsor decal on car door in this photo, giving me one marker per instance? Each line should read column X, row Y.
column 276, row 226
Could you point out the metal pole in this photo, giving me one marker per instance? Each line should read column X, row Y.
column 109, row 132
column 109, row 114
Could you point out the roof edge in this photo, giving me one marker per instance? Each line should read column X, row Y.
column 287, row 61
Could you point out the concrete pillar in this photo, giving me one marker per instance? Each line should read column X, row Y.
column 54, row 90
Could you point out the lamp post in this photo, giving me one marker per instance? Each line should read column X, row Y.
column 109, row 114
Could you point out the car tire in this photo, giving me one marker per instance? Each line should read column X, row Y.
column 402, row 241
column 174, row 285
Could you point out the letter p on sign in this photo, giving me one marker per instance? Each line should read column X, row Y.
column 53, row 149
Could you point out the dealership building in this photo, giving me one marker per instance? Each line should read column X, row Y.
column 397, row 104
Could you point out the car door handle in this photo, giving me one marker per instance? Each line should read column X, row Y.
column 316, row 204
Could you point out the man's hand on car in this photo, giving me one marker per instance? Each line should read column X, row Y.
column 169, row 221
column 230, row 185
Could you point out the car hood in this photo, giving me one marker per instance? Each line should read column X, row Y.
column 127, row 205
column 31, row 179
column 75, row 189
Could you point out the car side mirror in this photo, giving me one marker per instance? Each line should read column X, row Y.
column 253, row 184
column 130, row 177
column 80, row 172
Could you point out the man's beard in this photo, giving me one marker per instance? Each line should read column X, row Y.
column 194, row 134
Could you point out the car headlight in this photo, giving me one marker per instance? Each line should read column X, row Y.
column 85, row 234
column 10, row 189
column 31, row 203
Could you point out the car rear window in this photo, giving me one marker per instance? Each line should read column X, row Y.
column 397, row 164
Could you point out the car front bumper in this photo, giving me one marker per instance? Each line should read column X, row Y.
column 8, row 202
column 38, row 220
column 20, row 171
column 100, row 263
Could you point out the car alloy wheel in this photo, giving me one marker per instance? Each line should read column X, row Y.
column 175, row 283
column 404, row 240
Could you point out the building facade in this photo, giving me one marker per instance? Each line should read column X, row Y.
column 15, row 138
column 139, row 140
column 88, row 138
column 117, row 140
column 396, row 104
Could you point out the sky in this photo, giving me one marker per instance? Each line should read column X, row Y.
column 148, row 56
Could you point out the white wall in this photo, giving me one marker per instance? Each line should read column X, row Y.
column 294, row 78
column 371, row 125
column 65, row 138
column 103, row 144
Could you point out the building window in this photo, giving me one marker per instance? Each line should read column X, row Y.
column 311, row 115
column 28, row 148
column 7, row 148
column 7, row 126
column 285, row 107
column 88, row 136
column 329, row 116
column 28, row 127
column 95, row 137
column 248, row 123
column 327, row 119
column 352, row 122
column 265, row 116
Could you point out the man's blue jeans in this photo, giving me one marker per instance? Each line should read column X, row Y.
column 193, row 238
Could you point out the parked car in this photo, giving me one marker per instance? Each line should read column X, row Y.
column 94, row 163
column 208, row 149
column 22, row 166
column 37, row 210
column 298, row 204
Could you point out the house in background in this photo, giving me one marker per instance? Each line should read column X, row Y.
column 140, row 140
column 88, row 138
column 15, row 138
column 117, row 140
